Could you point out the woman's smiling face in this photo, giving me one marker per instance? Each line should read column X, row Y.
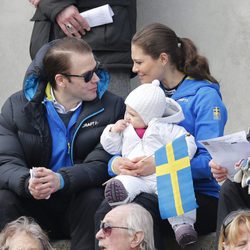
column 147, row 68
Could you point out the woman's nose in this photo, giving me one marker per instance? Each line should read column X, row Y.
column 135, row 68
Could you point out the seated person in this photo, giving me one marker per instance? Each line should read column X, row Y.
column 53, row 127
column 25, row 234
column 127, row 227
column 150, row 122
column 159, row 53
column 234, row 195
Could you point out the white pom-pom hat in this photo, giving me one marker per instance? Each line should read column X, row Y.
column 148, row 100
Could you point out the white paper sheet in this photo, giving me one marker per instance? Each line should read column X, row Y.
column 228, row 149
column 99, row 16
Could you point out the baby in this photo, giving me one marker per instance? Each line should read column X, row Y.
column 149, row 123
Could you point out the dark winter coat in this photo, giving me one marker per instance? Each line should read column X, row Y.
column 110, row 43
column 25, row 137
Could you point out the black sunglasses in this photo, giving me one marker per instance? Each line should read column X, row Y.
column 107, row 228
column 86, row 76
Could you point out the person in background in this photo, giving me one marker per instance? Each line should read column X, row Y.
column 158, row 53
column 126, row 227
column 235, row 231
column 110, row 42
column 233, row 195
column 52, row 130
column 35, row 2
column 149, row 124
column 24, row 233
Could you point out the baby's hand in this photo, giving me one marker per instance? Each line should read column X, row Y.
column 119, row 126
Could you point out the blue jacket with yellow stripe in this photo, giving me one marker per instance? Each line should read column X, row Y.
column 205, row 117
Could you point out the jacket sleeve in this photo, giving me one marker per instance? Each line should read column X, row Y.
column 51, row 8
column 210, row 118
column 14, row 173
column 92, row 172
column 173, row 131
column 111, row 142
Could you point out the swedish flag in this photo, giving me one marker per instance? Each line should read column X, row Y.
column 174, row 179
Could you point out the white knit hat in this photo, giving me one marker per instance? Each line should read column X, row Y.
column 148, row 100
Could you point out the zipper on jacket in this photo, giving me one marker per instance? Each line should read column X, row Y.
column 68, row 148
column 72, row 142
column 142, row 146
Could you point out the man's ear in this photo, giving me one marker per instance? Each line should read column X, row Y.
column 163, row 58
column 60, row 80
column 137, row 239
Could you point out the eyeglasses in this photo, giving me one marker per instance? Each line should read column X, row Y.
column 86, row 76
column 107, row 228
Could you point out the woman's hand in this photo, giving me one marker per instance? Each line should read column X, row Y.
column 219, row 173
column 139, row 166
column 144, row 165
column 122, row 165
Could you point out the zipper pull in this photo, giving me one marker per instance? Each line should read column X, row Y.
column 68, row 148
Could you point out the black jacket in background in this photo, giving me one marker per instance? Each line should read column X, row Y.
column 111, row 43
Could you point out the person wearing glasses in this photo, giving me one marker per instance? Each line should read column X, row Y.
column 110, row 42
column 235, row 231
column 126, row 227
column 25, row 234
column 52, row 164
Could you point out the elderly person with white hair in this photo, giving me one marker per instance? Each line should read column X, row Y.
column 126, row 227
column 24, row 233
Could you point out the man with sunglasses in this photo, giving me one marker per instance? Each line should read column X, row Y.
column 110, row 42
column 126, row 227
column 52, row 165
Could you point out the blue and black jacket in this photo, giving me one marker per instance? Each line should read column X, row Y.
column 205, row 118
column 26, row 137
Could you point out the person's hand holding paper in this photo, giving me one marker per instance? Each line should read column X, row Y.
column 228, row 150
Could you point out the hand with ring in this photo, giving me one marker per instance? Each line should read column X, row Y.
column 71, row 22
column 69, row 28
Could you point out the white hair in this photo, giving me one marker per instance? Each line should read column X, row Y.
column 24, row 224
column 139, row 219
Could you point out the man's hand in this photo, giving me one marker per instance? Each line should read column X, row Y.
column 71, row 22
column 44, row 183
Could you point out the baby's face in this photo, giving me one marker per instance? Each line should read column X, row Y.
column 132, row 117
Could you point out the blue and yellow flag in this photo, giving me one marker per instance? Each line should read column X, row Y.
column 174, row 179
